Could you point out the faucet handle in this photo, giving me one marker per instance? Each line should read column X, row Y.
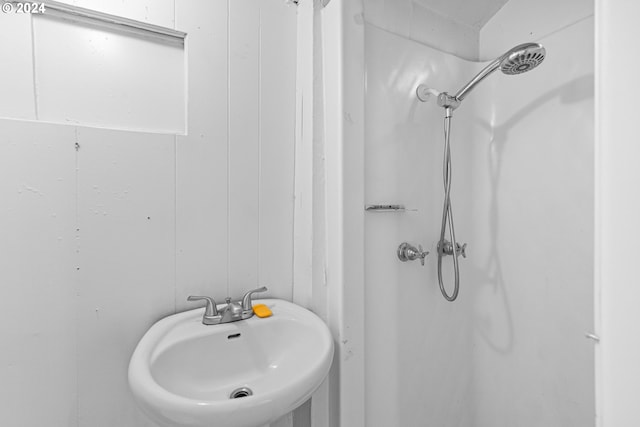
column 407, row 252
column 461, row 250
column 422, row 254
column 246, row 300
column 211, row 309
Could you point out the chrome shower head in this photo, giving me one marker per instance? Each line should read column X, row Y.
column 517, row 60
column 522, row 58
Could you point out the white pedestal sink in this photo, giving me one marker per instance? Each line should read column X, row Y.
column 184, row 373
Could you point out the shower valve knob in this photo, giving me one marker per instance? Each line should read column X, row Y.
column 407, row 252
column 447, row 248
column 461, row 250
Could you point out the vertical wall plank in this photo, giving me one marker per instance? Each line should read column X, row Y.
column 16, row 85
column 201, row 182
column 37, row 259
column 126, row 209
column 244, row 144
column 277, row 126
column 304, row 194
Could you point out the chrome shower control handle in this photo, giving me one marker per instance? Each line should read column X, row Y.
column 407, row 252
column 461, row 250
column 447, row 248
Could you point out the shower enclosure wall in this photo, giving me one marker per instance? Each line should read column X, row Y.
column 512, row 349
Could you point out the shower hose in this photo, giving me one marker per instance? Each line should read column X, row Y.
column 447, row 215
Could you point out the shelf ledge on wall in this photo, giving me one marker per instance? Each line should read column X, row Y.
column 80, row 14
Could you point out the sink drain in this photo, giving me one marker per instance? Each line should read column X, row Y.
column 240, row 392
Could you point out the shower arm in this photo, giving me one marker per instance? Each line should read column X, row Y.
column 453, row 101
column 462, row 93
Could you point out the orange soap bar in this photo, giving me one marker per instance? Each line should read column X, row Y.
column 261, row 310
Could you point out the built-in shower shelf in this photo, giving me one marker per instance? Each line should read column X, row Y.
column 384, row 208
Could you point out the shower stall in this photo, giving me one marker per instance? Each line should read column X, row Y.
column 517, row 345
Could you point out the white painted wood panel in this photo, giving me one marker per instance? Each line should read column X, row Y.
column 37, row 269
column 16, row 78
column 344, row 73
column 157, row 12
column 277, row 125
column 154, row 211
column 244, row 144
column 304, row 194
column 96, row 76
column 201, row 155
column 126, row 211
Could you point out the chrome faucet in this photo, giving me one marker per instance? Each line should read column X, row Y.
column 231, row 312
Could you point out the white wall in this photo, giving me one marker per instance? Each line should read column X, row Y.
column 415, row 21
column 112, row 69
column 512, row 349
column 617, row 212
column 106, row 231
column 523, row 21
column 343, row 73
column 38, row 263
column 533, row 205
column 418, row 370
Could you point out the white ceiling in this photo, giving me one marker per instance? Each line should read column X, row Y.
column 472, row 13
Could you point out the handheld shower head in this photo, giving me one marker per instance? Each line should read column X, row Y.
column 522, row 58
column 517, row 60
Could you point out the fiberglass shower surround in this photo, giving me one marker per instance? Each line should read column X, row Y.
column 517, row 60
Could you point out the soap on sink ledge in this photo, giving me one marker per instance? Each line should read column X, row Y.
column 261, row 310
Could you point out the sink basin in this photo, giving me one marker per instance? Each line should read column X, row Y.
column 183, row 373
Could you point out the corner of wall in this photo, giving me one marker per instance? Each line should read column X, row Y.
column 505, row 29
column 343, row 78
column 416, row 22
